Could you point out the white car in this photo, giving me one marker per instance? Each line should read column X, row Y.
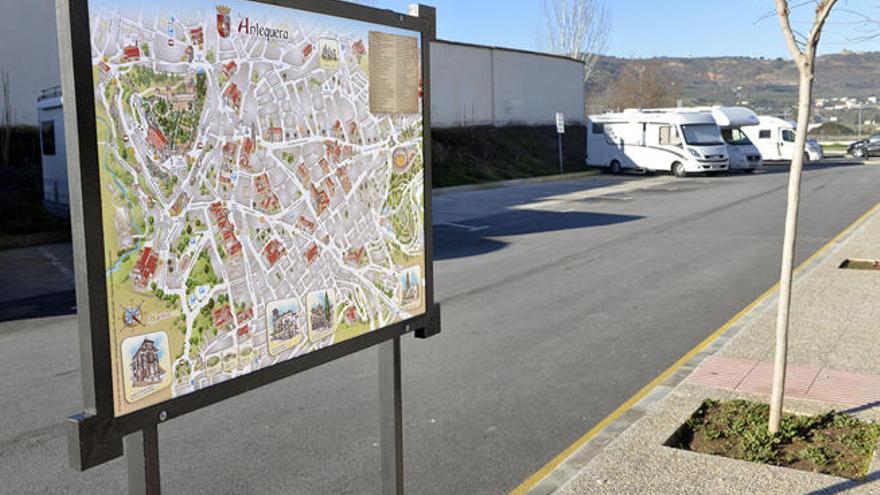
column 814, row 150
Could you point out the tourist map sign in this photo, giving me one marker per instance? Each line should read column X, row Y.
column 262, row 185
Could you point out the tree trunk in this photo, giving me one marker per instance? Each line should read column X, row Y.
column 788, row 244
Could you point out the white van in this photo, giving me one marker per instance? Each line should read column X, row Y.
column 732, row 121
column 774, row 138
column 679, row 141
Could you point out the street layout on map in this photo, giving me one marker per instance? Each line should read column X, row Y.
column 254, row 208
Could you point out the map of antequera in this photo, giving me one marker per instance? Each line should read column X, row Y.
column 262, row 187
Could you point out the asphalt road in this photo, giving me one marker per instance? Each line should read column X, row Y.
column 555, row 311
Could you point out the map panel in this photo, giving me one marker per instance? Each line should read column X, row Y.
column 255, row 207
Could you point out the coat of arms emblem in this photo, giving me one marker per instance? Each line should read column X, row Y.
column 223, row 21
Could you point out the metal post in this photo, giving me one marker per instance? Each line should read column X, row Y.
column 142, row 462
column 561, row 170
column 391, row 417
column 860, row 122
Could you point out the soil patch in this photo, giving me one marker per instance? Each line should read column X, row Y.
column 834, row 443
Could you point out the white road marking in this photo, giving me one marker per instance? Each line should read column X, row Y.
column 469, row 228
column 56, row 262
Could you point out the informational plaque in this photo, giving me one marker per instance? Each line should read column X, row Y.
column 261, row 185
column 394, row 73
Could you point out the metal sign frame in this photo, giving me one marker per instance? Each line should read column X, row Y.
column 96, row 435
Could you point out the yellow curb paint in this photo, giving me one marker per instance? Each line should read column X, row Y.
column 542, row 473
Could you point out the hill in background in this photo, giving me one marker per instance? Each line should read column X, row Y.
column 767, row 85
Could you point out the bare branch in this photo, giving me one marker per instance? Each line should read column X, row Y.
column 785, row 22
column 576, row 28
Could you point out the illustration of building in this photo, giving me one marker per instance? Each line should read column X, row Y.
column 144, row 268
column 232, row 95
column 307, row 51
column 197, row 35
column 359, row 49
column 342, row 175
column 179, row 203
column 355, row 257
column 322, row 313
column 306, row 224
column 222, row 318
column 274, row 135
column 104, row 70
column 311, row 254
column 247, row 148
column 351, row 316
column 273, row 252
column 284, row 325
column 322, row 201
column 221, row 217
column 131, row 53
column 330, row 185
column 244, row 315
column 229, row 68
column 304, row 176
column 145, row 369
column 157, row 139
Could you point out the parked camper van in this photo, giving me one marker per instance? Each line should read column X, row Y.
column 51, row 115
column 774, row 138
column 678, row 141
column 732, row 121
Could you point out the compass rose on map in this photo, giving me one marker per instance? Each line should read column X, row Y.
column 131, row 315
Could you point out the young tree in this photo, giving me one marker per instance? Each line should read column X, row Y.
column 578, row 29
column 803, row 51
column 641, row 84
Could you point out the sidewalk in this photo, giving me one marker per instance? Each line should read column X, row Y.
column 834, row 363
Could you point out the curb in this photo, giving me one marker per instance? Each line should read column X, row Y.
column 39, row 238
column 443, row 191
column 570, row 461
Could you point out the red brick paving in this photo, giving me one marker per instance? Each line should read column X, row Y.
column 801, row 382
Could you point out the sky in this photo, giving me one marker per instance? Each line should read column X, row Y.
column 648, row 28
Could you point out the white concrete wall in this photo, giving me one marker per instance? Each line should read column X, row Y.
column 461, row 85
column 478, row 85
column 29, row 53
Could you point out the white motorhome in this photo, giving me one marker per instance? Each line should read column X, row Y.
column 774, row 138
column 732, row 121
column 679, row 141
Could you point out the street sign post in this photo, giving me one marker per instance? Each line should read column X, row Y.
column 560, row 130
column 250, row 198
